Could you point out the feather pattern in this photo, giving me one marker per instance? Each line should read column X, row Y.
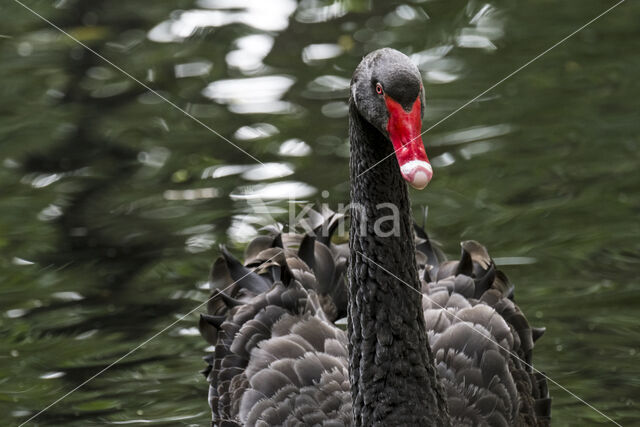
column 280, row 359
column 428, row 341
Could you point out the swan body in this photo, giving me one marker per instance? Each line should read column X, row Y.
column 428, row 341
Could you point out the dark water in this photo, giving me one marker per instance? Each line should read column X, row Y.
column 112, row 202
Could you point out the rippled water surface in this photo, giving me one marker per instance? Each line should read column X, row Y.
column 113, row 202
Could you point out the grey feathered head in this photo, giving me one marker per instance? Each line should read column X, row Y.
column 387, row 91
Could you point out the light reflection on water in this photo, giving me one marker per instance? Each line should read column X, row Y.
column 113, row 204
column 320, row 52
column 252, row 95
column 266, row 16
column 283, row 190
column 294, row 148
column 249, row 53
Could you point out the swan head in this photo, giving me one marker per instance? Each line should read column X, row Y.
column 387, row 91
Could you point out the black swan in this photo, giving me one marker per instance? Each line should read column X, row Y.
column 428, row 341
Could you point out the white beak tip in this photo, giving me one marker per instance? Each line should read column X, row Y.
column 420, row 180
column 417, row 173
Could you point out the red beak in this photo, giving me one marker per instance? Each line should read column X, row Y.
column 404, row 131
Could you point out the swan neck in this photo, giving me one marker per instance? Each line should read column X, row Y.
column 393, row 377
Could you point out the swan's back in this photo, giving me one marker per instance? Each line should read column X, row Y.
column 279, row 358
column 482, row 343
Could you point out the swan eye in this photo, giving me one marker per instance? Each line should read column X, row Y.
column 379, row 88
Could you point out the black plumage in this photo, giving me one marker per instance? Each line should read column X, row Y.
column 281, row 360
column 428, row 341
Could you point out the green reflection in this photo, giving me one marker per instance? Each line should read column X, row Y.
column 112, row 203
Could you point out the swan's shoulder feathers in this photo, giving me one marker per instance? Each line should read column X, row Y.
column 278, row 358
column 481, row 341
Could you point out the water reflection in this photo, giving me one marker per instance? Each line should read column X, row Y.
column 486, row 27
column 266, row 16
column 192, row 194
column 259, row 172
column 200, row 243
column 314, row 11
column 428, row 56
column 255, row 131
column 294, row 148
column 319, row 52
column 443, row 160
column 328, row 87
column 224, row 170
column 475, row 133
column 476, row 149
column 437, row 76
column 284, row 190
column 50, row 213
column 253, row 95
column 268, row 171
column 113, row 205
column 192, row 69
column 249, row 52
column 335, row 110
column 52, row 375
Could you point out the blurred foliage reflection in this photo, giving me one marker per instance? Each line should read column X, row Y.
column 113, row 202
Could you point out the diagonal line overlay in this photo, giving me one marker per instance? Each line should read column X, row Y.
column 112, row 364
column 155, row 92
column 507, row 77
column 198, row 121
column 492, row 340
